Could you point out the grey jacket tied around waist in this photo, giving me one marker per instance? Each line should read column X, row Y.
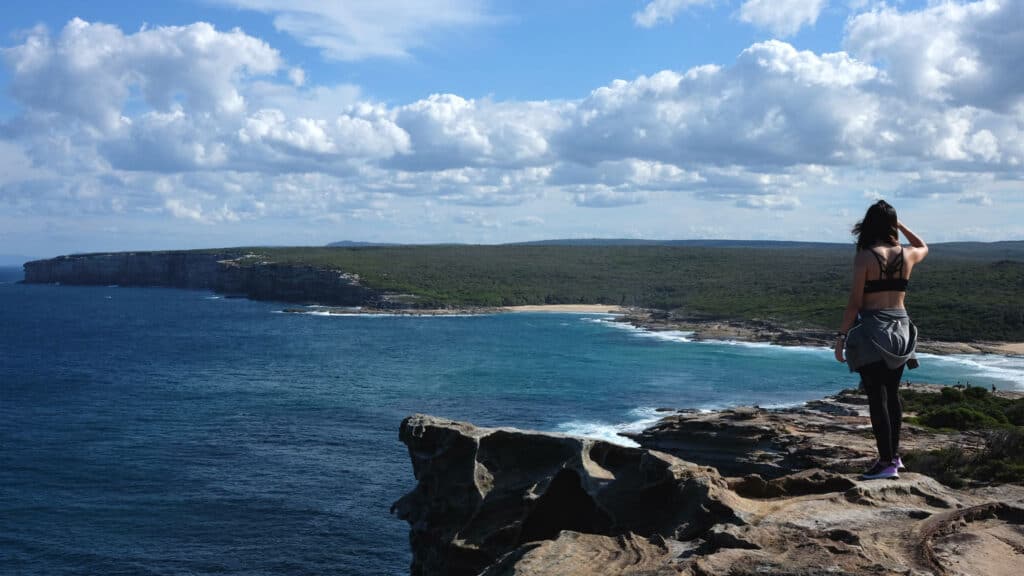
column 882, row 336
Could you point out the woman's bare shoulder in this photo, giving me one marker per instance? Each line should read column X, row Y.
column 914, row 253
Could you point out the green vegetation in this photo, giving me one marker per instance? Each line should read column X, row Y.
column 999, row 420
column 963, row 409
column 968, row 292
column 1002, row 460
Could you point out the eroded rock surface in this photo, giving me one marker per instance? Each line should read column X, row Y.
column 833, row 434
column 498, row 501
column 484, row 492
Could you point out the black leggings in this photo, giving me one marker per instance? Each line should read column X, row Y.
column 883, row 387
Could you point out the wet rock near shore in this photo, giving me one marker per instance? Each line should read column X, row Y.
column 708, row 328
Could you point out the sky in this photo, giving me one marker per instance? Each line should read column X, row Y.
column 130, row 125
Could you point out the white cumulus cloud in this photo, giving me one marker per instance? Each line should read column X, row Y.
column 202, row 125
column 659, row 11
column 960, row 54
column 781, row 17
column 355, row 29
column 89, row 71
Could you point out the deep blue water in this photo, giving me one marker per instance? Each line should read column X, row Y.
column 158, row 431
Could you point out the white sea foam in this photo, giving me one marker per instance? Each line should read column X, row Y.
column 669, row 335
column 645, row 417
column 710, row 407
column 687, row 336
column 212, row 298
column 781, row 405
column 1008, row 369
column 606, row 320
column 766, row 345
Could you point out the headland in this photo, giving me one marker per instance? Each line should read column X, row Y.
column 741, row 491
column 782, row 294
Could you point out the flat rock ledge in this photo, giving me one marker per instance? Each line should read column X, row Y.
column 501, row 501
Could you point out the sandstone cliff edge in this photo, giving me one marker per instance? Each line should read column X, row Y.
column 745, row 491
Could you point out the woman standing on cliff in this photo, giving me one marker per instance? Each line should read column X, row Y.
column 878, row 337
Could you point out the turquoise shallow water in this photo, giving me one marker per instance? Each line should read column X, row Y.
column 155, row 431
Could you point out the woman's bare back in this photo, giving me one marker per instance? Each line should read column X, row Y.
column 895, row 259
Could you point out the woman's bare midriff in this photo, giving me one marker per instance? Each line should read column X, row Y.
column 883, row 300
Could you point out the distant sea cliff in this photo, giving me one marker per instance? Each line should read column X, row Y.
column 229, row 273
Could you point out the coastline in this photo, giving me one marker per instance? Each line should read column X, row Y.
column 460, row 311
column 771, row 333
column 567, row 308
column 700, row 329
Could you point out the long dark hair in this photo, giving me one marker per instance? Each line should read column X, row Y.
column 877, row 227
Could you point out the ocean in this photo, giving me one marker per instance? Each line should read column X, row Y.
column 159, row 431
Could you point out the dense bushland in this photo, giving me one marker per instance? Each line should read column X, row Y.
column 963, row 292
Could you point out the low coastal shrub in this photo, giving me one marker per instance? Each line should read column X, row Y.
column 949, row 395
column 959, row 417
column 970, row 408
column 946, row 465
column 1015, row 414
column 1002, row 460
column 1001, row 420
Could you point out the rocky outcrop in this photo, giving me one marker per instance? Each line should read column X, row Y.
column 231, row 273
column 832, row 434
column 483, row 493
column 498, row 501
column 713, row 328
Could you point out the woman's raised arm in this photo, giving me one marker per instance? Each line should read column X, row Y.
column 920, row 249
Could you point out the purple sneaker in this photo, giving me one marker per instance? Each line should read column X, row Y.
column 898, row 463
column 880, row 470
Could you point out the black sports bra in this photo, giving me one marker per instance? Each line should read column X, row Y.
column 890, row 277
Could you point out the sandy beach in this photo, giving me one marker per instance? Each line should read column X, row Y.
column 568, row 308
column 1006, row 348
column 1010, row 348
